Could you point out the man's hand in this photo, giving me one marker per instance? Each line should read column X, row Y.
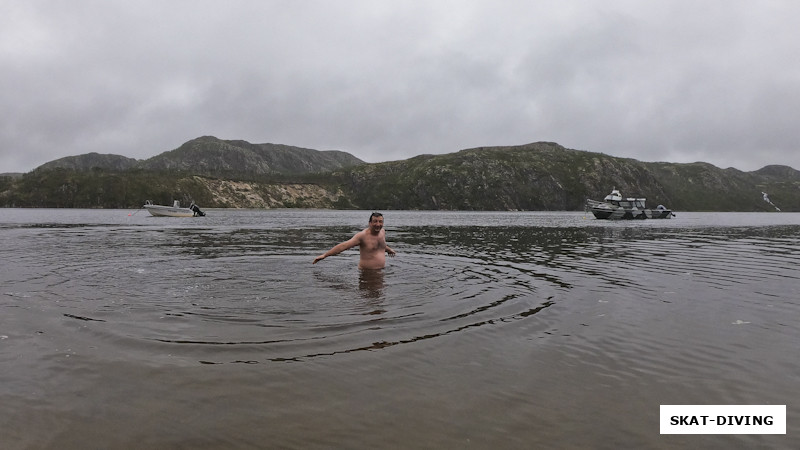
column 318, row 259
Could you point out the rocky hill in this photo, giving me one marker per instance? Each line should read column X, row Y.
column 210, row 156
column 537, row 176
column 90, row 161
column 547, row 176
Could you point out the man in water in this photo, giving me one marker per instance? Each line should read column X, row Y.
column 371, row 243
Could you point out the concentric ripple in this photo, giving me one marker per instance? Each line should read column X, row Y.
column 222, row 294
column 514, row 328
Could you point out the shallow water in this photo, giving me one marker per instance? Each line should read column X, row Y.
column 488, row 330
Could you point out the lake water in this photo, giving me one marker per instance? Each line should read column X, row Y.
column 487, row 330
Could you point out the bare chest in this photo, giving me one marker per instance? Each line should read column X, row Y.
column 373, row 243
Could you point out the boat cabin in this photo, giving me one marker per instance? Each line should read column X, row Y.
column 615, row 198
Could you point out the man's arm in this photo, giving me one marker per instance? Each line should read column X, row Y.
column 390, row 251
column 339, row 248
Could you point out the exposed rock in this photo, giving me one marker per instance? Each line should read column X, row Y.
column 240, row 194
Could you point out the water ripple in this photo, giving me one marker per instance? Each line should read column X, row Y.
column 573, row 313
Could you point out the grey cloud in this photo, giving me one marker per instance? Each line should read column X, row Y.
column 678, row 81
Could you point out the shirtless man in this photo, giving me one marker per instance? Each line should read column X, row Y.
column 371, row 244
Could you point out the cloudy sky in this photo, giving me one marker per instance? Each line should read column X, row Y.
column 672, row 80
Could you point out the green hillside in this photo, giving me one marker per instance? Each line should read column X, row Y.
column 538, row 176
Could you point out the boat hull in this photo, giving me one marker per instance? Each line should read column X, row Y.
column 610, row 211
column 169, row 211
column 173, row 211
column 630, row 214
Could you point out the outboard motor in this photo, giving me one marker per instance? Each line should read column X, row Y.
column 196, row 210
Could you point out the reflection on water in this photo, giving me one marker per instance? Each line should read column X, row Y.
column 371, row 283
column 486, row 330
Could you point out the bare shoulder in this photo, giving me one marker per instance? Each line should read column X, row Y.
column 358, row 237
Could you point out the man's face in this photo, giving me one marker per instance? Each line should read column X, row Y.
column 375, row 224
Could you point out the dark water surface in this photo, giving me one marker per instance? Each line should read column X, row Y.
column 488, row 330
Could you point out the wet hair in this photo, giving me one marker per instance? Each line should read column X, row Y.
column 375, row 214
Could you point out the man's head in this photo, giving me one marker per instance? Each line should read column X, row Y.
column 376, row 221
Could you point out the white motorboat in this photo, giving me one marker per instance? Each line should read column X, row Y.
column 173, row 211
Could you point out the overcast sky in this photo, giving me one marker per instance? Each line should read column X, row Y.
column 672, row 80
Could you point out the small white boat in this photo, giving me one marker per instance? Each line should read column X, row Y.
column 173, row 211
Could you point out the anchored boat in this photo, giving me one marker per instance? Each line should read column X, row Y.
column 615, row 207
column 173, row 211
